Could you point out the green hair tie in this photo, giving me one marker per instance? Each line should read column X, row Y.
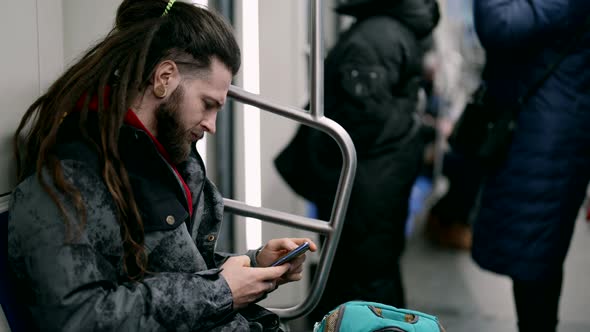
column 168, row 7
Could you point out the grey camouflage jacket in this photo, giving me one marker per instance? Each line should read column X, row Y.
column 80, row 286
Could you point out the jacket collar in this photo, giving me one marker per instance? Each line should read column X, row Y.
column 144, row 156
column 166, row 194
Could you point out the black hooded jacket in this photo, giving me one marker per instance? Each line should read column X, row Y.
column 372, row 77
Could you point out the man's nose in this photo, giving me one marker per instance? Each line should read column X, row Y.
column 209, row 122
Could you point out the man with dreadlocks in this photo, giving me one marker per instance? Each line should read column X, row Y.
column 113, row 225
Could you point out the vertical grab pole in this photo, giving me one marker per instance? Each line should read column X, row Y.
column 317, row 61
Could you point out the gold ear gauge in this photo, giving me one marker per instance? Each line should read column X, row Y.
column 160, row 91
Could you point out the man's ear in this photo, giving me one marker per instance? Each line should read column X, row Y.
column 166, row 78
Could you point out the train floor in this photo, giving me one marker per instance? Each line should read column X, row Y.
column 448, row 284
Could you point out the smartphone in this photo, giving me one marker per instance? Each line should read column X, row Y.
column 292, row 254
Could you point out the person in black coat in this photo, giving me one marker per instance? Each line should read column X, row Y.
column 372, row 77
column 529, row 204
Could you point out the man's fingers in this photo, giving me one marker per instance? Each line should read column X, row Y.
column 272, row 285
column 290, row 244
column 296, row 269
column 282, row 244
column 239, row 260
column 272, row 273
column 298, row 261
column 293, row 276
column 302, row 240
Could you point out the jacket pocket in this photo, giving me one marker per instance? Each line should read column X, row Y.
column 363, row 81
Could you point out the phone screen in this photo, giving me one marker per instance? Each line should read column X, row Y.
column 292, row 254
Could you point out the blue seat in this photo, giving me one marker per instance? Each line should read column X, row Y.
column 16, row 315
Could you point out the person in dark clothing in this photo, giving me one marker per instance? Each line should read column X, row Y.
column 448, row 221
column 529, row 204
column 114, row 223
column 372, row 77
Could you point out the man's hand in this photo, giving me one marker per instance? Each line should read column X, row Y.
column 249, row 284
column 277, row 248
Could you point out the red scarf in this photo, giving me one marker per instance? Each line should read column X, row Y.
column 132, row 120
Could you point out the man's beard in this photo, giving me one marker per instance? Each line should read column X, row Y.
column 171, row 133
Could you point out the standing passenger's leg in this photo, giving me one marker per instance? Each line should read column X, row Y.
column 537, row 303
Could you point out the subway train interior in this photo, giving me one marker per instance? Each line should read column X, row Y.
column 283, row 45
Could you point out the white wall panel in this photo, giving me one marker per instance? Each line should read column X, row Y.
column 30, row 35
column 85, row 23
column 35, row 36
column 283, row 78
column 20, row 76
column 51, row 52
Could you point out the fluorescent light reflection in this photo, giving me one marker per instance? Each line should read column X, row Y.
column 200, row 2
column 202, row 144
column 251, row 79
column 202, row 148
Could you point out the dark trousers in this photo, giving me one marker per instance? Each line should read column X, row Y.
column 340, row 289
column 537, row 303
column 366, row 264
column 465, row 177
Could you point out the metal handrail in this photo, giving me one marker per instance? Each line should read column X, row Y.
column 317, row 120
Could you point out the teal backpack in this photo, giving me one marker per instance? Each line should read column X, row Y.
column 360, row 316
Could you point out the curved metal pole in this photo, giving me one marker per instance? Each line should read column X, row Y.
column 331, row 229
column 315, row 119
